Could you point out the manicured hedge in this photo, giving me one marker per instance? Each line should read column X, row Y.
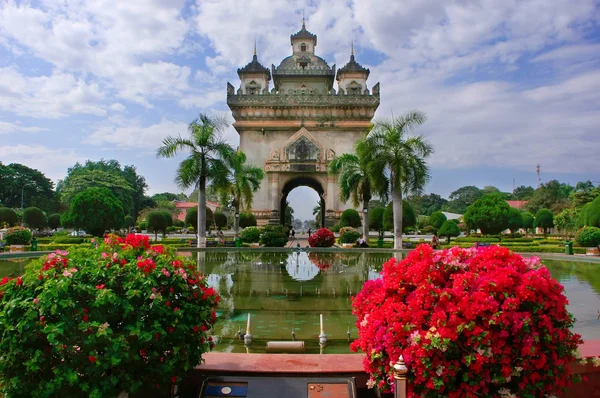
column 476, row 239
column 529, row 249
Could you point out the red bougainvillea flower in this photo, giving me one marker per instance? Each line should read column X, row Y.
column 323, row 261
column 92, row 359
column 101, row 286
column 322, row 238
column 468, row 323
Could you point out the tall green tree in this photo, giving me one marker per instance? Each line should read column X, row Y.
column 427, row 204
column 206, row 162
column 544, row 219
column 523, row 193
column 396, row 161
column 241, row 183
column 354, row 183
column 21, row 183
column 462, row 198
column 489, row 214
column 96, row 210
column 550, row 195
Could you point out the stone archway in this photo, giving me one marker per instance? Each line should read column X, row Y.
column 301, row 181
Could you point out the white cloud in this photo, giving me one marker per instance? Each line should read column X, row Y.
column 7, row 127
column 117, row 107
column 51, row 96
column 132, row 135
column 52, row 162
column 569, row 53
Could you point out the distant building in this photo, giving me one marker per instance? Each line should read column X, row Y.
column 517, row 204
column 452, row 216
column 182, row 208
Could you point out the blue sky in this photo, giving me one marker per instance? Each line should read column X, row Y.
column 506, row 84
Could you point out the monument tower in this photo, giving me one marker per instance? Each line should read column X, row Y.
column 295, row 128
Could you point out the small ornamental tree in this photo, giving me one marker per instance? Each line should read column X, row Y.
column 468, row 323
column 349, row 235
column 409, row 217
column 376, row 220
column 515, row 220
column 191, row 218
column 122, row 316
column 489, row 214
column 247, row 220
column 157, row 222
column 527, row 220
column 169, row 217
column 544, row 219
column 128, row 221
column 350, row 218
column 250, row 235
column 590, row 214
column 18, row 236
column 96, row 210
column 34, row 218
column 436, row 219
column 220, row 219
column 273, row 236
column 449, row 229
column 8, row 217
column 588, row 237
column 322, row 238
column 54, row 221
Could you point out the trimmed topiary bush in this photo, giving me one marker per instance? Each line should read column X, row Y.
column 335, row 228
column 250, row 235
column 220, row 219
column 191, row 218
column 54, row 221
column 409, row 217
column 96, row 210
column 544, row 219
column 515, row 220
column 376, row 220
column 273, row 236
column 349, row 235
column 468, row 323
column 489, row 214
column 322, row 238
column 350, row 218
column 157, row 222
column 35, row 218
column 588, row 237
column 247, row 220
column 8, row 217
column 527, row 220
column 449, row 229
column 436, row 219
column 590, row 214
column 123, row 316
column 129, row 221
column 18, row 236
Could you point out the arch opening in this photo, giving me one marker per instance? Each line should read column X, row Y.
column 303, row 181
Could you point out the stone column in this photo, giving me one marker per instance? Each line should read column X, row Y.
column 275, row 197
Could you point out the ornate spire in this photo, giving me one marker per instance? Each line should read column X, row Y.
column 353, row 66
column 255, row 66
column 255, row 47
column 303, row 33
column 352, row 52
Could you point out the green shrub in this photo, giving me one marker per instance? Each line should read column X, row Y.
column 515, row 220
column 250, row 235
column 129, row 221
column 489, row 214
column 86, row 321
column 248, row 220
column 35, row 218
column 350, row 218
column 54, row 221
column 409, row 217
column 544, row 219
column 590, row 214
column 527, row 220
column 191, row 218
column 178, row 223
column 8, row 217
column 67, row 239
column 588, row 237
column 96, row 210
column 273, row 236
column 436, row 219
column 376, row 219
column 172, row 229
column 449, row 229
column 168, row 216
column 336, row 227
column 157, row 222
column 470, row 239
column 143, row 225
column 220, row 219
column 349, row 235
column 17, row 236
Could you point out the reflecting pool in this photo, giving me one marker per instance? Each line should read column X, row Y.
column 286, row 292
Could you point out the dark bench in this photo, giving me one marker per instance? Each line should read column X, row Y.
column 482, row 244
column 407, row 245
column 211, row 243
column 229, row 243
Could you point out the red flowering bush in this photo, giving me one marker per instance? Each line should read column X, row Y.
column 121, row 316
column 322, row 238
column 323, row 261
column 469, row 323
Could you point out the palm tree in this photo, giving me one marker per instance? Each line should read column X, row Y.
column 317, row 212
column 396, row 162
column 353, row 183
column 205, row 164
column 243, row 180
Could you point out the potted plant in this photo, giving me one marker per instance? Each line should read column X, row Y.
column 323, row 237
column 468, row 323
column 119, row 316
column 348, row 237
column 17, row 238
column 251, row 235
column 589, row 237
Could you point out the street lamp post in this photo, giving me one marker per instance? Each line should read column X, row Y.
column 238, row 242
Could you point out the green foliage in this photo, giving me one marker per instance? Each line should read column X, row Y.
column 462, row 198
column 349, row 235
column 550, row 195
column 588, row 237
column 143, row 225
column 178, row 223
column 54, row 221
column 409, row 218
column 427, row 204
column 590, row 214
column 376, row 219
column 128, row 221
column 35, row 218
column 515, row 220
column 528, row 220
column 247, row 220
column 544, row 219
column 242, row 181
column 67, row 221
column 437, row 219
column 523, row 192
column 96, row 210
column 168, row 216
column 220, row 219
column 170, row 197
column 350, row 218
column 273, row 236
column 17, row 236
column 157, row 222
column 191, row 218
column 449, row 229
column 566, row 221
column 336, row 227
column 19, row 181
column 250, row 235
column 94, row 331
column 68, row 239
column 489, row 214
column 354, row 180
column 8, row 217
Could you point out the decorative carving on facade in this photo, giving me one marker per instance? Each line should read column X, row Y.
column 330, row 154
column 302, row 150
column 275, row 155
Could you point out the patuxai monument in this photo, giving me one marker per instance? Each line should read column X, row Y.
column 295, row 127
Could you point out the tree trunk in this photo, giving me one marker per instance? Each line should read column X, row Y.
column 236, row 222
column 201, row 212
column 365, row 221
column 397, row 206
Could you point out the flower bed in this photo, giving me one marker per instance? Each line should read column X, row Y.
column 95, row 321
column 322, row 238
column 469, row 322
